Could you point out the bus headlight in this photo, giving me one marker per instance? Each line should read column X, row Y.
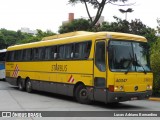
column 116, row 88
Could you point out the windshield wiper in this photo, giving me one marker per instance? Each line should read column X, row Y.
column 130, row 62
column 140, row 64
column 128, row 66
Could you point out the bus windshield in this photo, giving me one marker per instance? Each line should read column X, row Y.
column 128, row 56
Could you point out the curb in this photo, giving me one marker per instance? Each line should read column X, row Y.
column 154, row 99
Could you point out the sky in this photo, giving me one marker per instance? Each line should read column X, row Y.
column 49, row 14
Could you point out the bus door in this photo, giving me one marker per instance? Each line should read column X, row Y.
column 100, row 71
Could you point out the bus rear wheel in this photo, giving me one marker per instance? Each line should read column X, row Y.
column 28, row 86
column 81, row 95
column 20, row 84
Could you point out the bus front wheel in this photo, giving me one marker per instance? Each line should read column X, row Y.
column 28, row 86
column 81, row 94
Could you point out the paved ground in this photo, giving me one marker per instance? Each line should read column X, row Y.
column 11, row 99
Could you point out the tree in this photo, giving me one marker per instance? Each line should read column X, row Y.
column 2, row 41
column 155, row 64
column 118, row 26
column 34, row 38
column 42, row 34
column 97, row 4
column 158, row 27
column 75, row 25
column 9, row 37
column 134, row 27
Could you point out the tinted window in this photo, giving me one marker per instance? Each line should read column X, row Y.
column 41, row 53
column 128, row 56
column 10, row 56
column 18, row 55
column 2, row 56
column 120, row 55
column 49, row 52
column 68, row 51
column 26, row 54
column 82, row 50
column 35, row 54
column 100, row 60
column 61, row 52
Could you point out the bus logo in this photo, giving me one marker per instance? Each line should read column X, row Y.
column 71, row 79
column 16, row 71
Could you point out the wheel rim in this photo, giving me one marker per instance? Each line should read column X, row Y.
column 28, row 86
column 83, row 94
column 20, row 85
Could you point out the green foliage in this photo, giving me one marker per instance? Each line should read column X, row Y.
column 134, row 27
column 158, row 27
column 9, row 37
column 75, row 25
column 34, row 38
column 155, row 64
column 2, row 41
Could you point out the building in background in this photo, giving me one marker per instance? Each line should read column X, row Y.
column 27, row 30
column 71, row 18
column 100, row 21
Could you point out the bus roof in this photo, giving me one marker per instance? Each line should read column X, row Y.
column 3, row 50
column 77, row 37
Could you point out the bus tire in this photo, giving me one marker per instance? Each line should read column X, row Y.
column 81, row 94
column 28, row 86
column 20, row 85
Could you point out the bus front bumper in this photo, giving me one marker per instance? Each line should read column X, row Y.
column 122, row 96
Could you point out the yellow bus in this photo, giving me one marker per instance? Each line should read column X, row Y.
column 109, row 67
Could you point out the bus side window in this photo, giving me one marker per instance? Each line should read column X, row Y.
column 49, row 52
column 61, row 52
column 35, row 54
column 77, row 51
column 10, row 56
column 100, row 59
column 68, row 51
column 7, row 56
column 18, row 55
column 15, row 55
column 41, row 53
column 82, row 50
column 88, row 49
column 47, row 49
column 29, row 54
column 26, row 56
column 53, row 50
